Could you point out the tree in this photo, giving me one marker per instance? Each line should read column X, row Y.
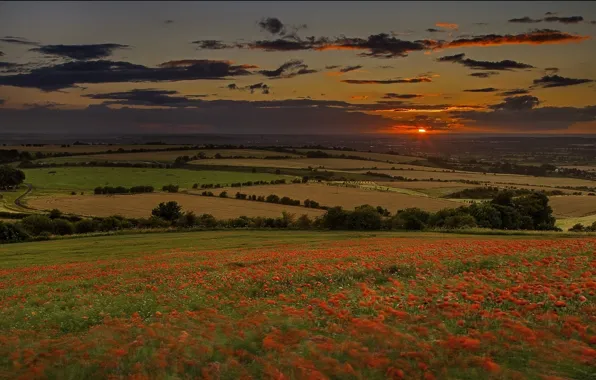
column 169, row 211
column 364, row 217
column 334, row 218
column 10, row 177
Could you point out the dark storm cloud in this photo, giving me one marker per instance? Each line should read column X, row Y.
column 387, row 81
column 517, row 103
column 80, row 52
column 147, row 97
column 18, row 41
column 272, row 25
column 288, row 70
column 517, row 91
column 521, row 114
column 486, row 89
column 293, row 116
column 525, row 20
column 549, row 81
column 484, row 65
column 71, row 74
column 565, row 20
column 213, row 45
column 391, row 95
column 484, row 74
column 534, row 37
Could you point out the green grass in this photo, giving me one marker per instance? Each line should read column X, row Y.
column 86, row 179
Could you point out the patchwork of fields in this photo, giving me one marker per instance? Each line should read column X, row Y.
column 279, row 305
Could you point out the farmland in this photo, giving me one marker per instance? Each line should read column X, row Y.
column 298, row 305
column 347, row 197
column 86, row 179
column 302, row 163
column 165, row 156
column 140, row 205
column 573, row 206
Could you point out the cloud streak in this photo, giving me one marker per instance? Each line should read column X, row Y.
column 80, row 52
column 421, row 79
column 550, row 81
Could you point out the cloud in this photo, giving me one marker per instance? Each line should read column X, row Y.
column 484, row 65
column 18, row 41
column 292, row 116
column 421, row 79
column 549, row 81
column 446, row 25
column 391, row 95
column 1, row 54
column 359, row 97
column 272, row 25
column 517, row 103
column 147, row 97
column 433, row 30
column 252, row 87
column 80, row 52
column 517, row 91
column 521, row 114
column 71, row 74
column 213, row 45
column 525, row 20
column 484, row 74
column 378, row 45
column 167, row 22
column 289, row 69
column 535, row 37
column 486, row 89
column 565, row 20
column 350, row 68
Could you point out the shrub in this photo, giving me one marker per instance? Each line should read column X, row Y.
column 460, row 221
column 410, row 219
column 334, row 218
column 55, row 214
column 169, row 211
column 223, row 194
column 36, row 224
column 272, row 198
column 578, row 227
column 188, row 219
column 85, row 226
column 363, row 218
column 207, row 221
column 303, row 222
column 170, row 188
column 12, row 233
column 63, row 227
column 111, row 223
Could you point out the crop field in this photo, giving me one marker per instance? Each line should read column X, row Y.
column 492, row 178
column 140, row 205
column 392, row 158
column 298, row 305
column 573, row 205
column 87, row 178
column 347, row 197
column 439, row 189
column 85, row 148
column 163, row 157
column 303, row 163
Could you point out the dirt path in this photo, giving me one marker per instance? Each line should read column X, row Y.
column 18, row 202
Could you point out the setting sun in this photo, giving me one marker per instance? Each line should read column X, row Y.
column 421, row 130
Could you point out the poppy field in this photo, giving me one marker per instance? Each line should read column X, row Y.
column 375, row 307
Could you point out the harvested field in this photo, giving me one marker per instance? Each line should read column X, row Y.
column 491, row 178
column 165, row 157
column 374, row 156
column 573, row 206
column 140, row 205
column 347, row 197
column 304, row 163
column 439, row 189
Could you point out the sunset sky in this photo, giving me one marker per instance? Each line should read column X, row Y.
column 297, row 67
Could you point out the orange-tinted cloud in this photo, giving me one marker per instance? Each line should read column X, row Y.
column 359, row 97
column 387, row 81
column 535, row 37
column 188, row 63
column 446, row 25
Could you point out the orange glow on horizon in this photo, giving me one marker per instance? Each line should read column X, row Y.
column 421, row 130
